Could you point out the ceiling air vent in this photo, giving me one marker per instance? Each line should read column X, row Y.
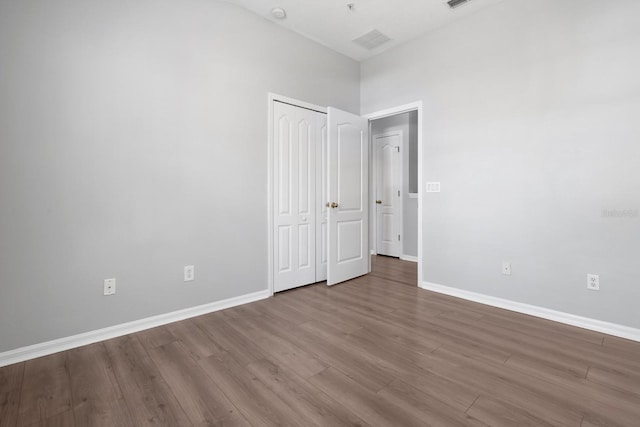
column 455, row 3
column 371, row 40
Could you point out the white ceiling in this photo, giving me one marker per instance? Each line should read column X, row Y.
column 331, row 23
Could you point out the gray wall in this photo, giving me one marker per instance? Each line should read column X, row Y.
column 132, row 143
column 408, row 124
column 531, row 124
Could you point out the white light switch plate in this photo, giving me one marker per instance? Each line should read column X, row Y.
column 432, row 187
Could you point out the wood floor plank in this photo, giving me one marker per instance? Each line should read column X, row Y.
column 616, row 378
column 10, row 386
column 406, row 365
column 315, row 309
column 396, row 364
column 149, row 398
column 46, row 389
column 9, row 403
column 528, row 393
column 96, row 396
column 547, row 367
column 497, row 413
column 278, row 347
column 155, row 337
column 200, row 397
column 360, row 367
column 432, row 410
column 255, row 401
column 244, row 350
column 63, row 419
column 11, row 377
column 621, row 344
column 558, row 401
column 371, row 407
column 316, row 407
column 194, row 339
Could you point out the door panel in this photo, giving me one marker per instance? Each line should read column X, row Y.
column 348, row 163
column 284, row 244
column 305, row 191
column 284, row 165
column 349, row 236
column 388, row 179
column 350, row 168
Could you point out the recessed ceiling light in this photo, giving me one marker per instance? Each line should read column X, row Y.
column 278, row 13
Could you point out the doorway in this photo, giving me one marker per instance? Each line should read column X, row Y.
column 407, row 118
column 395, row 181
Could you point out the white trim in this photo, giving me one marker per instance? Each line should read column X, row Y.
column 67, row 343
column 544, row 313
column 409, row 258
column 296, row 102
column 413, row 195
column 414, row 106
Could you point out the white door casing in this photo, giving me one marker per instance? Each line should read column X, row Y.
column 414, row 106
column 388, row 189
column 321, row 197
column 294, row 196
column 348, row 166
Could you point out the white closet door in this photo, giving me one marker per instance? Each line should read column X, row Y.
column 295, row 196
column 348, row 193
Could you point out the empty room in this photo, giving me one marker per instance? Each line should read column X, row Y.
column 319, row 213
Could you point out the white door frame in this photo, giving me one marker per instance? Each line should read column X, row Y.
column 414, row 106
column 270, row 152
column 374, row 208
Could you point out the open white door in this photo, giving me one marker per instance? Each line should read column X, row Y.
column 348, row 165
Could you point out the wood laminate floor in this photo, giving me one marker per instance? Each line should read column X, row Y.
column 373, row 351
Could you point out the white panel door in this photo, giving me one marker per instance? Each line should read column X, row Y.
column 348, row 228
column 388, row 182
column 321, row 197
column 294, row 196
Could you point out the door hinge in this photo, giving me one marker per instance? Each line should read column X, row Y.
column 398, row 147
column 398, row 237
column 398, row 193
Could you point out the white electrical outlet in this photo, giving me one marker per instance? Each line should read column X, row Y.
column 109, row 286
column 506, row 268
column 189, row 273
column 593, row 282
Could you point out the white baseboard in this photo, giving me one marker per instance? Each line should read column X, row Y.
column 545, row 313
column 67, row 343
column 409, row 258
